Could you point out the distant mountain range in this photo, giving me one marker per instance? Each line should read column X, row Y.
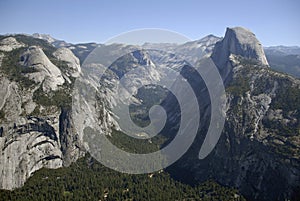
column 281, row 58
column 258, row 152
column 282, row 50
column 284, row 59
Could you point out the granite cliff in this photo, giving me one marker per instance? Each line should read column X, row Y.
column 258, row 152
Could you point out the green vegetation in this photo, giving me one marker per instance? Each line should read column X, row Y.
column 14, row 71
column 30, row 41
column 62, row 65
column 2, row 114
column 89, row 180
column 240, row 85
column 285, row 63
column 150, row 95
column 11, row 62
column 134, row 145
column 287, row 98
column 284, row 150
column 2, row 37
column 278, row 127
column 61, row 97
column 36, row 112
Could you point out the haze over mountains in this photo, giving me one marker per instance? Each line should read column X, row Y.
column 259, row 149
column 281, row 58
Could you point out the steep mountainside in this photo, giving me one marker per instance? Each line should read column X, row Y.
column 260, row 142
column 52, row 92
column 37, row 78
column 38, row 131
column 36, row 127
column 241, row 42
column 258, row 151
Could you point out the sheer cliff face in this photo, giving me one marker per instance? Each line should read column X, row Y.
column 35, row 130
column 258, row 151
column 259, row 145
column 260, row 141
column 240, row 42
column 37, row 127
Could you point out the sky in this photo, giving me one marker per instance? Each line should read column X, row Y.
column 274, row 22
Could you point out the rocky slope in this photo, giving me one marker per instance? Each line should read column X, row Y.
column 258, row 151
column 36, row 128
column 80, row 50
column 237, row 41
column 259, row 144
column 260, row 141
column 9, row 43
column 43, row 69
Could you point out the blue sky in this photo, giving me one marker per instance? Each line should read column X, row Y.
column 275, row 22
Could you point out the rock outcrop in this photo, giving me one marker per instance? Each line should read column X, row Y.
column 27, row 147
column 45, row 70
column 73, row 63
column 258, row 151
column 255, row 149
column 9, row 44
column 240, row 42
column 36, row 130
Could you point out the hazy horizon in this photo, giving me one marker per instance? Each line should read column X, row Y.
column 273, row 22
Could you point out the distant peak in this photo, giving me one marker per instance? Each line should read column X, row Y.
column 242, row 42
column 211, row 36
column 46, row 37
column 241, row 29
column 243, row 35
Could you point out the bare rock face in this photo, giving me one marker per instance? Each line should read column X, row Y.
column 240, row 42
column 27, row 147
column 258, row 151
column 65, row 54
column 10, row 104
column 10, row 43
column 46, row 71
column 27, row 143
column 34, row 133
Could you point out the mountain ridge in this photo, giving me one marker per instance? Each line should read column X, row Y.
column 259, row 142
